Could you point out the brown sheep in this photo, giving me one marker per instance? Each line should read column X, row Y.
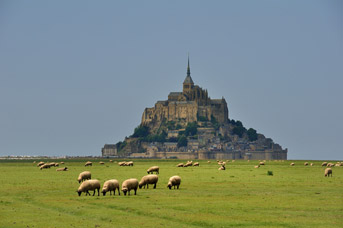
column 148, row 179
column 328, row 172
column 153, row 169
column 89, row 185
column 174, row 181
column 128, row 185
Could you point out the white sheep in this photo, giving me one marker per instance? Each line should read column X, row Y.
column 257, row 166
column 292, row 164
column 328, row 172
column 153, row 169
column 122, row 163
column 221, row 168
column 148, row 179
column 189, row 163
column 324, row 164
column 62, row 169
column 262, row 163
column 130, row 163
column 109, row 186
column 89, row 163
column 180, row 165
column 174, row 181
column 40, row 164
column 89, row 185
column 306, row 164
column 102, row 163
column 86, row 175
column 196, row 164
column 128, row 185
column 45, row 166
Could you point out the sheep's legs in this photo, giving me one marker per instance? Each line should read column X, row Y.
column 118, row 191
column 155, row 185
column 147, row 185
column 178, row 186
column 135, row 190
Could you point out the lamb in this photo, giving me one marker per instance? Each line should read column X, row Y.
column 86, row 175
column 89, row 163
column 148, row 179
column 174, row 181
column 45, row 166
column 128, row 185
column 89, row 185
column 180, row 165
column 221, row 168
column 153, row 169
column 109, row 186
column 196, row 164
column 327, row 172
column 324, row 164
column 306, row 164
column 292, row 164
column 62, row 169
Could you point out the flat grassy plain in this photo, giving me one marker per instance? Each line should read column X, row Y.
column 240, row 196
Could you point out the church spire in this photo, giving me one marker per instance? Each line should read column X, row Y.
column 188, row 68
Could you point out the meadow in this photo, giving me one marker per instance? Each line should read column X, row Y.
column 240, row 196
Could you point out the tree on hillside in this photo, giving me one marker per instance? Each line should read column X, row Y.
column 252, row 134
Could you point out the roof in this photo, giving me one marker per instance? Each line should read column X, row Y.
column 188, row 79
column 174, row 94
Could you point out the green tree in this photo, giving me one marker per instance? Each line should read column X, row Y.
column 252, row 134
column 191, row 129
column 140, row 132
column 238, row 130
column 182, row 141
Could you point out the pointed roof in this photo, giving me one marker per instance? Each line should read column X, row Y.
column 188, row 78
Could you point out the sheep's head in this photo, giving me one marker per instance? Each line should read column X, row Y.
column 140, row 185
column 103, row 192
column 124, row 190
column 169, row 185
column 78, row 192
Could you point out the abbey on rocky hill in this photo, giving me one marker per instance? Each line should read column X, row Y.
column 191, row 125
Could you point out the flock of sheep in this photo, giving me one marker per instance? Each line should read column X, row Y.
column 89, row 184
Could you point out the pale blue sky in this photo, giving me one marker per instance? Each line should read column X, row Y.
column 75, row 75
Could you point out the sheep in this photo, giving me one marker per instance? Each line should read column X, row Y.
column 330, row 165
column 122, row 163
column 111, row 161
column 40, row 164
column 257, row 166
column 180, row 165
column 128, row 185
column 208, row 161
column 327, row 172
column 292, row 164
column 109, row 186
column 34, row 162
column 62, row 163
column 312, row 164
column 189, row 163
column 324, row 164
column 89, row 163
column 196, row 164
column 261, row 163
column 153, row 169
column 306, row 164
column 45, row 166
column 148, row 179
column 174, row 181
column 130, row 163
column 89, row 185
column 222, row 163
column 62, row 169
column 86, row 175
column 221, row 168
column 102, row 163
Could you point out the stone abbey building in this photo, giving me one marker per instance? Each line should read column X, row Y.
column 191, row 125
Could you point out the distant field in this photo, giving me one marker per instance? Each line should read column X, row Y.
column 240, row 196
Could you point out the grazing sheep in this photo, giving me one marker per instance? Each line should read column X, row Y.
column 233, row 160
column 189, row 163
column 306, row 164
column 324, row 164
column 330, row 165
column 130, row 163
column 45, row 166
column 40, row 164
column 292, row 164
column 62, row 169
column 221, row 168
column 89, row 163
column 261, row 163
column 128, row 185
column 327, row 172
column 180, row 165
column 153, row 169
column 111, row 161
column 196, row 164
column 148, row 179
column 257, row 166
column 208, row 161
column 34, row 162
column 174, row 181
column 86, row 175
column 62, row 163
column 89, row 185
column 311, row 164
column 122, row 163
column 102, row 163
column 109, row 186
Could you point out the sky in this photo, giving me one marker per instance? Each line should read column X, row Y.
column 75, row 75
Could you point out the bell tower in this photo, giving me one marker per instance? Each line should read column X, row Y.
column 188, row 83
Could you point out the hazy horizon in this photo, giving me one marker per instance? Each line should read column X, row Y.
column 77, row 75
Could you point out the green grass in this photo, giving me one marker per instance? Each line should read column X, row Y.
column 240, row 196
